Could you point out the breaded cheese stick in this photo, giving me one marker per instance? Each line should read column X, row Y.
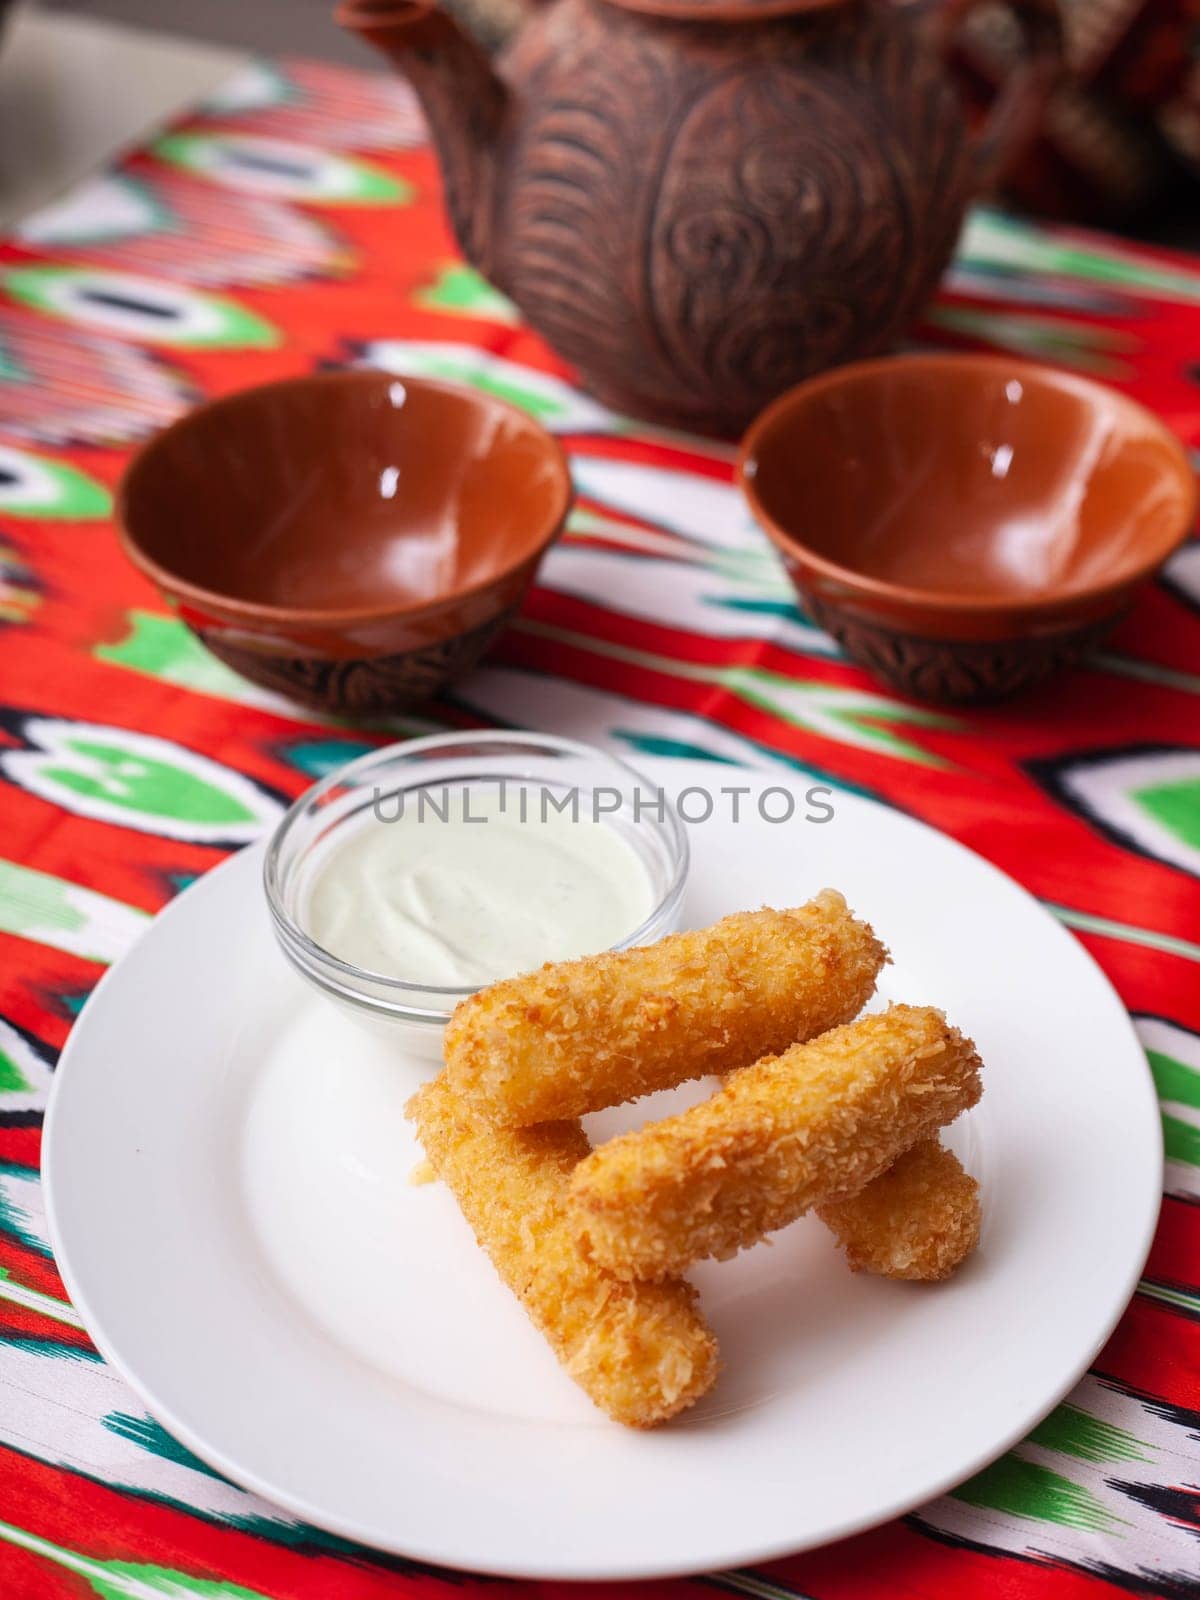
column 641, row 1351
column 580, row 1035
column 919, row 1220
column 805, row 1128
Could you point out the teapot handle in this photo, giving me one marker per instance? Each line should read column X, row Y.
column 1013, row 117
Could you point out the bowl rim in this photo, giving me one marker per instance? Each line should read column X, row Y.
column 354, row 976
column 907, row 595
column 222, row 605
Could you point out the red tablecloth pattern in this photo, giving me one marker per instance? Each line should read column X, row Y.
column 294, row 223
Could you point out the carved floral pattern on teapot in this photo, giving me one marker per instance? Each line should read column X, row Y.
column 698, row 214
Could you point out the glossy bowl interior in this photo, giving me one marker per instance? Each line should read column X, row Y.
column 357, row 795
column 966, row 484
column 344, row 496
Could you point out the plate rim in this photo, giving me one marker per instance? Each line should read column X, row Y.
column 613, row 1571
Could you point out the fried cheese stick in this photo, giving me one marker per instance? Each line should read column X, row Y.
column 641, row 1351
column 809, row 1127
column 580, row 1035
column 918, row 1221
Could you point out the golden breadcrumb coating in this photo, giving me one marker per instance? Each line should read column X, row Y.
column 919, row 1221
column 641, row 1351
column 580, row 1035
column 805, row 1128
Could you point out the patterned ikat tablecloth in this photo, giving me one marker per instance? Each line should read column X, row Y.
column 295, row 222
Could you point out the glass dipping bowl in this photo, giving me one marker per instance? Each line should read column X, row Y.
column 324, row 818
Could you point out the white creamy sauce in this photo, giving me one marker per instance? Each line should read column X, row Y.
column 462, row 902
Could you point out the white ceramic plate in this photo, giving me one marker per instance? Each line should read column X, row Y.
column 228, row 1184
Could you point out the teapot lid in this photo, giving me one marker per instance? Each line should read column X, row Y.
column 722, row 10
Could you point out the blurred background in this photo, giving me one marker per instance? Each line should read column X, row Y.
column 81, row 78
column 302, row 26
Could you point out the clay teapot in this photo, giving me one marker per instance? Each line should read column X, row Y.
column 700, row 202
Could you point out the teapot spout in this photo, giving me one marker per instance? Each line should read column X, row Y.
column 462, row 96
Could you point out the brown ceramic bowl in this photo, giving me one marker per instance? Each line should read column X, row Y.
column 963, row 524
column 353, row 540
